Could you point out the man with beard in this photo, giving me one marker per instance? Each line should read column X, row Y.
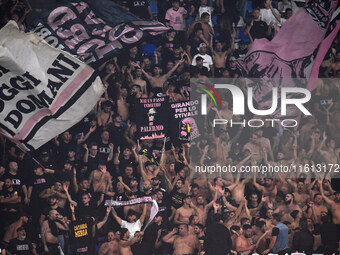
column 300, row 195
column 183, row 243
column 287, row 208
column 10, row 203
column 53, row 205
column 335, row 205
column 50, row 229
column 199, row 232
column 279, row 238
column 244, row 243
column 20, row 245
column 269, row 188
column 111, row 247
column 177, row 195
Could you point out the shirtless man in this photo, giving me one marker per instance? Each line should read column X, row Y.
column 254, row 148
column 287, row 208
column 301, row 197
column 244, row 243
column 183, row 243
column 11, row 232
column 224, row 112
column 330, row 154
column 264, row 142
column 183, row 213
column 125, row 243
column 49, row 240
column 158, row 80
column 104, row 116
column 334, row 204
column 139, row 80
column 111, row 247
column 269, row 188
column 219, row 56
column 99, row 178
column 202, row 210
column 317, row 209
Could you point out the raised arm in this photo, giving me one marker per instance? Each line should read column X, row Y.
column 102, row 223
column 117, row 218
column 142, row 217
column 167, row 76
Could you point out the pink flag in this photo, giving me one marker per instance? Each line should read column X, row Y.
column 292, row 57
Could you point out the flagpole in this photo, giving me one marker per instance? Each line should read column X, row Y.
column 34, row 159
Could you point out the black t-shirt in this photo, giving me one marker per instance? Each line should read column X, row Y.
column 275, row 231
column 17, row 191
column 116, row 135
column 139, row 8
column 240, row 53
column 258, row 30
column 81, row 234
column 17, row 247
column 65, row 175
column 92, row 164
column 80, row 193
column 103, row 151
column 148, row 243
column 17, row 179
column 64, row 148
column 177, row 199
column 40, row 182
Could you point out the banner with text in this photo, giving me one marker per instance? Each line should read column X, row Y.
column 183, row 127
column 94, row 30
column 44, row 91
column 152, row 117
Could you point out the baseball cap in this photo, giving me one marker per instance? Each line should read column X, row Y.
column 232, row 59
column 202, row 45
column 199, row 58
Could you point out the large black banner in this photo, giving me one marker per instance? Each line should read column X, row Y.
column 94, row 30
column 152, row 117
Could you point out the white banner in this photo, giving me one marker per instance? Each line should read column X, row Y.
column 140, row 200
column 43, row 90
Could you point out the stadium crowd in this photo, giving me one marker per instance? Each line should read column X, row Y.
column 54, row 204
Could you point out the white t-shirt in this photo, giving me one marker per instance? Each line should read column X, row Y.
column 132, row 227
column 267, row 16
column 207, row 60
